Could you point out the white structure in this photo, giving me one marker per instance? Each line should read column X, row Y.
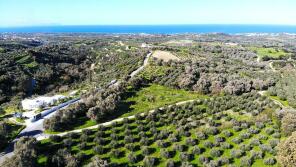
column 73, row 93
column 145, row 45
column 39, row 102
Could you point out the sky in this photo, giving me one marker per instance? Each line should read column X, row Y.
column 15, row 13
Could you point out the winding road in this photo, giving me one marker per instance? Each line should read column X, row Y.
column 35, row 129
column 108, row 123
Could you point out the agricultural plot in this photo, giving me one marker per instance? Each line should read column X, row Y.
column 221, row 131
column 165, row 56
column 154, row 96
column 269, row 53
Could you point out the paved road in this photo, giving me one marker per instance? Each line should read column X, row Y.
column 35, row 129
column 146, row 61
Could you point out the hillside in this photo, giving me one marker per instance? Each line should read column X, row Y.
column 198, row 100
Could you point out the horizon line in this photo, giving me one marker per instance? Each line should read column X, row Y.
column 198, row 24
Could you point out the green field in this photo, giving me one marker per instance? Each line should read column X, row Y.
column 138, row 101
column 283, row 102
column 269, row 52
column 155, row 96
column 276, row 98
column 198, row 133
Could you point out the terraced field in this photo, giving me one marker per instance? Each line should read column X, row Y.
column 238, row 131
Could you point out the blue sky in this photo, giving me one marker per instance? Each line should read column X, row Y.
column 143, row 12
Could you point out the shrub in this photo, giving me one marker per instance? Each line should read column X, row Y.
column 265, row 148
column 178, row 147
column 161, row 144
column 128, row 139
column 245, row 135
column 173, row 138
column 226, row 145
column 201, row 135
column 245, row 147
column 259, row 125
column 145, row 141
column 101, row 128
column 186, row 164
column 146, row 150
column 211, row 131
column 72, row 135
column 269, row 131
column 131, row 147
column 256, row 154
column 288, row 123
column 269, row 161
column 185, row 156
column 215, row 152
column 170, row 163
column 190, row 141
column 87, row 132
column 80, row 156
column 82, row 145
column 255, row 142
column 100, row 133
column 236, row 153
column 253, row 130
column 55, row 138
column 203, row 159
column 237, row 140
column 84, row 138
column 219, row 139
column 149, row 161
column 213, row 163
column 208, row 144
column 196, row 150
column 132, row 157
column 227, row 133
column 276, row 135
column 223, row 161
column 246, row 161
column 236, row 128
column 274, row 142
column 114, row 136
column 114, row 144
column 262, row 137
column 244, row 125
column 165, row 153
column 99, row 140
column 68, row 142
column 99, row 149
column 116, row 153
column 287, row 151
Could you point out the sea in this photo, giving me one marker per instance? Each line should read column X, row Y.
column 155, row 29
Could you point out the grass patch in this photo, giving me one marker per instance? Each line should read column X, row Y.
column 269, row 52
column 87, row 124
column 283, row 102
column 9, row 109
column 155, row 96
column 20, row 120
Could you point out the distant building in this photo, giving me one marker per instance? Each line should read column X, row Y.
column 145, row 45
column 40, row 102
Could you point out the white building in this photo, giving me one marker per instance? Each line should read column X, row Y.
column 40, row 102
